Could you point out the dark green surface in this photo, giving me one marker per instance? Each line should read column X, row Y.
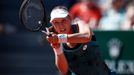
column 127, row 37
column 127, row 52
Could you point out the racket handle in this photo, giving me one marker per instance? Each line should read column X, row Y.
column 46, row 33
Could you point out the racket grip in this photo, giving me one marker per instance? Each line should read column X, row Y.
column 46, row 33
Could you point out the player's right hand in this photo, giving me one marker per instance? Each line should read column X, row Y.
column 51, row 36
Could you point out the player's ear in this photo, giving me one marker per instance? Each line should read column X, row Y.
column 69, row 17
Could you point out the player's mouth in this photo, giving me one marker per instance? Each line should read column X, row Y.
column 62, row 30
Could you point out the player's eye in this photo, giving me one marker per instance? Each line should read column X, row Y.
column 64, row 21
column 55, row 23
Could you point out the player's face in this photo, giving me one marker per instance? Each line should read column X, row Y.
column 62, row 25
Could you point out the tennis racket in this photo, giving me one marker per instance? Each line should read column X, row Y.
column 33, row 16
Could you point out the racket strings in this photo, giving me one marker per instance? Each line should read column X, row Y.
column 33, row 15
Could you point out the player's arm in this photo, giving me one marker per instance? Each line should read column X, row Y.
column 84, row 35
column 61, row 63
column 60, row 59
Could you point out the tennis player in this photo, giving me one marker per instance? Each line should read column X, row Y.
column 75, row 48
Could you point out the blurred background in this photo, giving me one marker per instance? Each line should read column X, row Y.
column 28, row 53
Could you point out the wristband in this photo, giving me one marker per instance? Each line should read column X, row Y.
column 62, row 38
column 58, row 51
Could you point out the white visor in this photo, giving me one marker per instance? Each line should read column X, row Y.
column 58, row 13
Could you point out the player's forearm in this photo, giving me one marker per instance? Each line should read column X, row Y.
column 60, row 59
column 61, row 63
column 71, row 38
column 79, row 37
